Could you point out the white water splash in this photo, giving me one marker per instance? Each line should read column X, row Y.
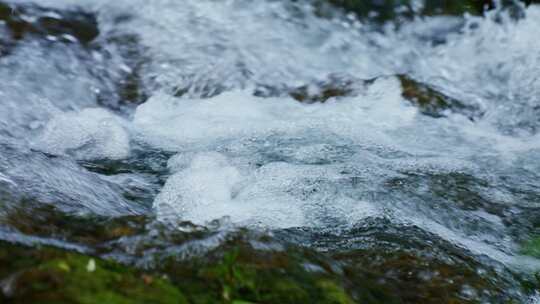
column 278, row 163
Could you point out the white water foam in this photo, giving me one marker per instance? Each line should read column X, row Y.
column 92, row 133
column 278, row 163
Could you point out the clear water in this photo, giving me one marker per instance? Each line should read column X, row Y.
column 206, row 144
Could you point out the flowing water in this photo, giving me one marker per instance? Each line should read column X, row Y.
column 183, row 111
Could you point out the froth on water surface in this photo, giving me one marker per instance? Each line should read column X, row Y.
column 272, row 116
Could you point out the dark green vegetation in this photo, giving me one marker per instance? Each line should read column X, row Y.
column 48, row 275
column 532, row 247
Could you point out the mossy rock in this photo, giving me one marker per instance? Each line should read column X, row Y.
column 532, row 247
column 245, row 267
column 414, row 279
column 34, row 218
column 236, row 273
column 47, row 275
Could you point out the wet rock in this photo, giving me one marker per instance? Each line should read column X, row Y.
column 433, row 102
column 236, row 272
column 412, row 265
column 334, row 87
column 67, row 26
column 48, row 222
column 141, row 161
column 461, row 188
column 429, row 99
column 47, row 275
column 130, row 87
column 532, row 247
column 462, row 192
column 129, row 237
column 365, row 265
column 397, row 10
column 261, row 271
column 414, row 280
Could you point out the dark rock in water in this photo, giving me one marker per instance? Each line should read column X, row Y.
column 333, row 87
column 434, row 103
column 130, row 87
column 23, row 20
column 48, row 222
column 428, row 99
column 388, row 10
column 452, row 193
column 280, row 273
column 532, row 247
column 412, row 265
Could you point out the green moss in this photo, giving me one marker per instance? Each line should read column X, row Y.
column 532, row 247
column 48, row 275
column 333, row 293
column 239, row 274
column 234, row 272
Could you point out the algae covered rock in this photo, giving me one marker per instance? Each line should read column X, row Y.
column 47, row 275
column 190, row 264
column 532, row 247
column 49, row 222
column 239, row 273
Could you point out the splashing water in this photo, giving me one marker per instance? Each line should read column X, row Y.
column 218, row 75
